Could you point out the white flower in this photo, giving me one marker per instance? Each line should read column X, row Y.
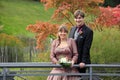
column 63, row 60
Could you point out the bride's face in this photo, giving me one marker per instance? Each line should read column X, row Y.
column 62, row 34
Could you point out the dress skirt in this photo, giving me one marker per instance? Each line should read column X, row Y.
column 63, row 71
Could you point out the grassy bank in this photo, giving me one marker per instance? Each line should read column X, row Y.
column 15, row 15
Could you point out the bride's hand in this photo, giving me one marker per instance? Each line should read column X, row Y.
column 72, row 63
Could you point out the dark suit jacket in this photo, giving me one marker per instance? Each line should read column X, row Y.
column 83, row 42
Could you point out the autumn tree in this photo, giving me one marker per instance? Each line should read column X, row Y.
column 43, row 30
column 64, row 8
column 109, row 16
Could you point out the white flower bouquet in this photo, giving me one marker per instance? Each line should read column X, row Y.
column 65, row 62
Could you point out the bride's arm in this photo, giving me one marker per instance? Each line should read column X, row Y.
column 52, row 54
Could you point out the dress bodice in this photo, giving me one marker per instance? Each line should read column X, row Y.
column 63, row 52
column 69, row 51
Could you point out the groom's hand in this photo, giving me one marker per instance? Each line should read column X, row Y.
column 82, row 65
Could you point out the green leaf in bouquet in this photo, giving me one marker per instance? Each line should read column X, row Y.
column 66, row 65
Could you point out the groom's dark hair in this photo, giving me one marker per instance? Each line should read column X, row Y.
column 79, row 12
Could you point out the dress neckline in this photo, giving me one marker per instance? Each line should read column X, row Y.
column 63, row 47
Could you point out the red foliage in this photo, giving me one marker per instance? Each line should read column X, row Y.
column 64, row 7
column 109, row 16
column 42, row 30
column 62, row 11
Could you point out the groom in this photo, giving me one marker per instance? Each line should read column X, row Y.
column 83, row 36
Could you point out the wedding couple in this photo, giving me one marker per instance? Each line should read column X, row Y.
column 76, row 48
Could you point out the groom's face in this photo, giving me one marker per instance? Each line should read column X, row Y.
column 79, row 20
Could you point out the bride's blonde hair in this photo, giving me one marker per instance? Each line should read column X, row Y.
column 63, row 27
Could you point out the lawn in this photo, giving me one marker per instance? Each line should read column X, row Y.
column 15, row 15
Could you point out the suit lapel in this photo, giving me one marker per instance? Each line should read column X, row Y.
column 83, row 32
column 83, row 29
column 73, row 31
column 71, row 35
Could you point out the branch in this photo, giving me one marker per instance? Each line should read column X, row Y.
column 67, row 19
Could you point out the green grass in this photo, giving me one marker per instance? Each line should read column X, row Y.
column 15, row 15
column 106, row 46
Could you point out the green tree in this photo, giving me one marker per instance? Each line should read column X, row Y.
column 111, row 3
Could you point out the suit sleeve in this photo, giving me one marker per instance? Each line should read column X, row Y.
column 52, row 54
column 87, row 46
